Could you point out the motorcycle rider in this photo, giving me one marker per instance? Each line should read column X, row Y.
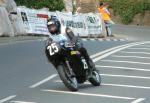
column 54, row 28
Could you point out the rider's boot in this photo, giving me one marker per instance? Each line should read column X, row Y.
column 91, row 66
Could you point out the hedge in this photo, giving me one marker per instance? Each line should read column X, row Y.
column 53, row 5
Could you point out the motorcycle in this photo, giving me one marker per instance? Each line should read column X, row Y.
column 71, row 65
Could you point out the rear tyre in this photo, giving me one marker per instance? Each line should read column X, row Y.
column 95, row 79
column 69, row 81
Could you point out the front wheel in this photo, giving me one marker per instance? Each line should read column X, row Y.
column 69, row 81
column 95, row 79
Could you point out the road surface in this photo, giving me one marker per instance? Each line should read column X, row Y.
column 27, row 77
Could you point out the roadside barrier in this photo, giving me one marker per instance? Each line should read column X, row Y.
column 31, row 21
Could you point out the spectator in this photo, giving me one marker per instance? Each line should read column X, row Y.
column 103, row 9
column 78, row 10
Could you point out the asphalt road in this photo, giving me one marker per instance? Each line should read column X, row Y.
column 134, row 33
column 27, row 77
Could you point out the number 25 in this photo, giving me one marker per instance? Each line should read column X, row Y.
column 53, row 49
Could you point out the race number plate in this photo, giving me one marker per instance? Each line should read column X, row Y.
column 84, row 64
column 53, row 49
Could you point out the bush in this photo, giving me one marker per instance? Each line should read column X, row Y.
column 53, row 5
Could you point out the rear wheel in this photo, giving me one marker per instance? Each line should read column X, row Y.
column 69, row 81
column 95, row 79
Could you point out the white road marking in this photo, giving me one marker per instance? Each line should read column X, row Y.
column 148, row 46
column 126, row 38
column 108, row 40
column 108, row 50
column 92, row 39
column 130, row 62
column 139, row 48
column 100, row 53
column 115, row 40
column 100, row 40
column 84, row 39
column 127, row 86
column 43, row 81
column 134, row 52
column 118, row 49
column 124, row 68
column 88, row 94
column 125, row 76
column 138, row 100
column 20, row 102
column 115, row 85
column 138, row 57
column 7, row 99
column 122, row 39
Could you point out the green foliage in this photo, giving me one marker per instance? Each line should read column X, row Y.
column 53, row 5
column 127, row 9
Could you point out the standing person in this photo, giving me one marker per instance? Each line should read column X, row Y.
column 103, row 9
column 78, row 11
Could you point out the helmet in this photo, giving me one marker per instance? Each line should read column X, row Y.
column 53, row 25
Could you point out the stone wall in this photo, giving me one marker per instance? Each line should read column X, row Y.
column 87, row 5
column 142, row 20
column 139, row 19
column 68, row 5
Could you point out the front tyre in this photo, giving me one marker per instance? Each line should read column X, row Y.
column 95, row 79
column 69, row 81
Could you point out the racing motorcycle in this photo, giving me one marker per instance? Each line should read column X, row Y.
column 70, row 64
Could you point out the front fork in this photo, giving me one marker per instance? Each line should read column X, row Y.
column 69, row 69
